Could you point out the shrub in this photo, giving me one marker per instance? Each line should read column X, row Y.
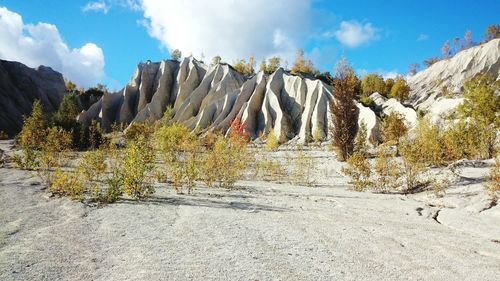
column 481, row 103
column 92, row 166
column 225, row 163
column 367, row 101
column 393, row 128
column 69, row 109
column 344, row 110
column 360, row 143
column 272, row 142
column 115, row 176
column 372, row 83
column 137, row 130
column 67, row 184
column 57, row 144
column 28, row 160
column 138, row 163
column 172, row 140
column 400, row 90
column 304, row 166
column 469, row 139
column 412, row 165
column 429, row 139
column 269, row 169
column 237, row 131
column 301, row 65
column 493, row 183
column 387, row 169
column 358, row 169
column 33, row 133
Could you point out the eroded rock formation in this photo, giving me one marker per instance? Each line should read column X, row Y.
column 211, row 97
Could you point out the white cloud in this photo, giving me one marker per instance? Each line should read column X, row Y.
column 384, row 73
column 354, row 34
column 41, row 44
column 229, row 28
column 97, row 6
column 422, row 37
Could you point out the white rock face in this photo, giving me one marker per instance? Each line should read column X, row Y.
column 210, row 98
column 451, row 74
column 371, row 121
column 409, row 114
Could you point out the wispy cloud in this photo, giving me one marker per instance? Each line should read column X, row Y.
column 97, row 6
column 422, row 37
column 354, row 33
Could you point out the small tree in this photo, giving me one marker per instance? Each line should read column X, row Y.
column 481, row 103
column 492, row 32
column 430, row 61
column 400, row 90
column 358, row 169
column 33, row 132
column 176, row 55
column 67, row 112
column 413, row 69
column 372, row 83
column 216, row 60
column 301, row 65
column 393, row 128
column 467, row 43
column 138, row 166
column 445, row 50
column 240, row 66
column 274, row 64
column 344, row 110
column 389, row 82
column 272, row 142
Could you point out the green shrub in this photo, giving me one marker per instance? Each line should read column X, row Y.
column 172, row 140
column 361, row 140
column 387, row 169
column 28, row 160
column 372, row 83
column 429, row 139
column 358, row 169
column 225, row 163
column 67, row 184
column 400, row 90
column 137, row 130
column 412, row 165
column 481, row 103
column 92, row 166
column 272, row 142
column 367, row 101
column 303, row 167
column 53, row 153
column 393, row 128
column 33, row 133
column 269, row 169
column 138, row 164
column 69, row 109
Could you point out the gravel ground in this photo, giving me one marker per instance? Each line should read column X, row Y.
column 257, row 231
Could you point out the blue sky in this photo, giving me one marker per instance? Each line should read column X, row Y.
column 103, row 40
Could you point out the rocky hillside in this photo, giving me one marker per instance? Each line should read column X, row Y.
column 20, row 86
column 445, row 79
column 211, row 97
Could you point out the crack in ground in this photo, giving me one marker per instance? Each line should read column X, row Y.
column 492, row 204
column 435, row 216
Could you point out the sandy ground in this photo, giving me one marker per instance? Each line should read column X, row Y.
column 257, row 231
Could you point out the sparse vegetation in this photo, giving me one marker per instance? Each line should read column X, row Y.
column 137, row 168
column 493, row 183
column 358, row 169
column 393, row 128
column 272, row 142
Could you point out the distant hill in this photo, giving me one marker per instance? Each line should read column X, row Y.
column 20, row 86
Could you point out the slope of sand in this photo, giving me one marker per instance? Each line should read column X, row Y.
column 257, row 231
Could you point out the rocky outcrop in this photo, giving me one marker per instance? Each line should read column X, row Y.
column 20, row 86
column 211, row 97
column 445, row 79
